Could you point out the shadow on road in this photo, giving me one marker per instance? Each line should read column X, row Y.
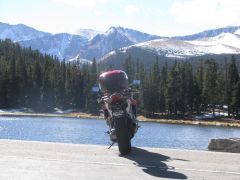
column 153, row 164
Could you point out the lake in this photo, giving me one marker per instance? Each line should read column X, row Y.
column 91, row 131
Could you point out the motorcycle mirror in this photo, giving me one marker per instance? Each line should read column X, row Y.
column 95, row 89
column 136, row 82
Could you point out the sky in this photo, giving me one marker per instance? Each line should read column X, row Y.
column 160, row 17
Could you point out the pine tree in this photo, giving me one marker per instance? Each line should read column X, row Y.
column 163, row 84
column 58, row 84
column 210, row 84
column 232, row 80
column 199, row 101
column 172, row 90
column 189, row 89
column 221, row 88
column 22, row 78
column 13, row 86
column 155, row 82
column 147, row 96
column 236, row 98
column 3, row 85
column 182, row 87
column 47, row 94
column 128, row 68
column 142, row 75
column 92, row 105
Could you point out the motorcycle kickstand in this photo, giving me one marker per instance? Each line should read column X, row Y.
column 111, row 145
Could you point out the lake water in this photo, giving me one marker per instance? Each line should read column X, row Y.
column 90, row 131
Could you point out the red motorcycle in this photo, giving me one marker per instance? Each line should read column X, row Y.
column 119, row 108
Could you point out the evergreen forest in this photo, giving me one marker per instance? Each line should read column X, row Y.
column 42, row 82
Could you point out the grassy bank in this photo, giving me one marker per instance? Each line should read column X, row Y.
column 223, row 123
column 73, row 115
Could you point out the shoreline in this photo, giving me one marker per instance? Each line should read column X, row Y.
column 140, row 118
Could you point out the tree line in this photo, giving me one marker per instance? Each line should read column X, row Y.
column 42, row 82
column 185, row 89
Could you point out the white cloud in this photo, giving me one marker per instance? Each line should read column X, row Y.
column 82, row 3
column 209, row 13
column 131, row 9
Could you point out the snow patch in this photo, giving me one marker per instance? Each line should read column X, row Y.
column 237, row 32
column 220, row 48
column 88, row 33
column 225, row 43
column 210, row 116
column 81, row 60
column 16, row 110
column 60, row 111
column 224, row 38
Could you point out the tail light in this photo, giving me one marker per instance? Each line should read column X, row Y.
column 116, row 97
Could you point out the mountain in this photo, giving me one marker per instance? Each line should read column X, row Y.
column 225, row 43
column 62, row 45
column 113, row 38
column 88, row 33
column 172, row 49
column 209, row 33
column 132, row 35
column 89, row 44
column 19, row 32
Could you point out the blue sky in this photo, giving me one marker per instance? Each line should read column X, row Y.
column 161, row 17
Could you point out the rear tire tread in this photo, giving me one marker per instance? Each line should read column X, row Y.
column 123, row 137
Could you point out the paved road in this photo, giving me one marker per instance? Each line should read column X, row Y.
column 23, row 160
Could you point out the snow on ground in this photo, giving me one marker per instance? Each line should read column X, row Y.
column 220, row 48
column 16, row 110
column 222, row 39
column 81, row 60
column 60, row 111
column 223, row 43
column 29, row 110
column 210, row 115
column 237, row 32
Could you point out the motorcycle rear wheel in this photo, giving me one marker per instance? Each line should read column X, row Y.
column 123, row 135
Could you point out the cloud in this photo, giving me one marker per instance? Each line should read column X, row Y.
column 131, row 9
column 206, row 12
column 82, row 3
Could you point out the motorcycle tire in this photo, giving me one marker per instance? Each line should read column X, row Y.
column 123, row 137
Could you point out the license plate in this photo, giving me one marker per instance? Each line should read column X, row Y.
column 118, row 113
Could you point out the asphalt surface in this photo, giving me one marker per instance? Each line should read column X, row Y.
column 22, row 160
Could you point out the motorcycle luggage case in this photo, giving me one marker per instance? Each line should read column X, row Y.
column 113, row 81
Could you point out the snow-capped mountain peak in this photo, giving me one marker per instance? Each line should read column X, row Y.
column 88, row 33
column 132, row 35
column 19, row 32
column 111, row 30
column 224, row 43
column 94, row 44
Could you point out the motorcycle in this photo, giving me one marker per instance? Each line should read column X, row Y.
column 119, row 108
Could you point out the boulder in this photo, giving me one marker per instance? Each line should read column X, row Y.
column 225, row 145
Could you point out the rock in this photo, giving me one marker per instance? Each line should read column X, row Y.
column 225, row 145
